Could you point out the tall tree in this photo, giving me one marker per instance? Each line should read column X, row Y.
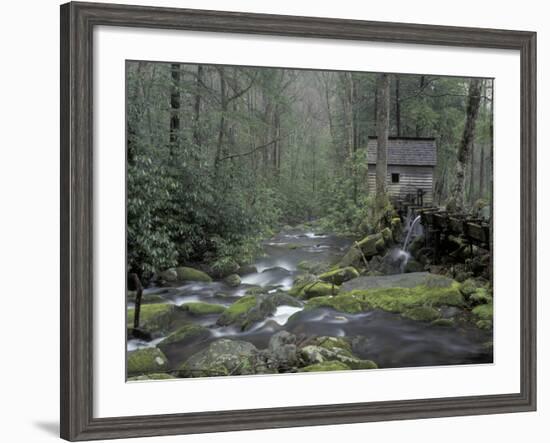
column 175, row 104
column 466, row 144
column 382, row 134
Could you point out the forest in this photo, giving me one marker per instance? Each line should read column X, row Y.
column 285, row 220
column 219, row 157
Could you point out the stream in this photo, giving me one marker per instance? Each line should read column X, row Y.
column 386, row 338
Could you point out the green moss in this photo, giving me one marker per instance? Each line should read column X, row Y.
column 486, row 325
column 200, row 308
column 387, row 235
column 332, row 343
column 147, row 360
column 484, row 312
column 445, row 322
column 300, row 283
column 326, row 366
column 468, row 287
column 339, row 275
column 256, row 290
column 233, row 280
column 396, row 300
column 153, row 317
column 190, row 274
column 185, row 334
column 481, row 296
column 156, row 376
column 380, row 245
column 238, row 309
column 422, row 313
column 318, row 289
column 362, row 364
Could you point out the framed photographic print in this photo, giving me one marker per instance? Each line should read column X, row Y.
column 272, row 221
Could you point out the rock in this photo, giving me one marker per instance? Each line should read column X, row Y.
column 155, row 318
column 200, row 308
column 418, row 243
column 486, row 325
column 155, row 376
column 300, row 283
column 326, row 366
column 247, row 269
column 395, row 293
column 233, row 280
column 339, row 275
column 484, row 312
column 282, row 349
column 185, row 273
column 170, row 275
column 329, row 349
column 318, row 289
column 481, row 296
column 251, row 309
column 185, row 335
column 224, row 357
column 422, row 313
column 468, row 287
column 413, row 266
column 147, row 360
column 396, row 228
column 313, row 267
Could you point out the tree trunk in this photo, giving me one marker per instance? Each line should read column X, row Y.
column 197, row 107
column 175, row 104
column 134, row 284
column 466, row 144
column 382, row 133
column 221, row 127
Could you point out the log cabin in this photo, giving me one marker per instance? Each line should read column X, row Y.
column 411, row 166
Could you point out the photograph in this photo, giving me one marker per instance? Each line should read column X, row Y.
column 287, row 221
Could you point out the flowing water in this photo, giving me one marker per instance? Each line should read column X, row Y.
column 388, row 339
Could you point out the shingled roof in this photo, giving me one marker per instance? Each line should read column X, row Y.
column 406, row 151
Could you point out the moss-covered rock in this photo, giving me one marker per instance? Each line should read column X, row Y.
column 256, row 290
column 155, row 376
column 444, row 322
column 170, row 275
column 318, row 289
column 332, row 343
column 185, row 335
column 326, row 366
column 393, row 299
column 422, row 313
column 300, row 283
column 154, row 318
column 224, row 357
column 247, row 269
column 486, row 325
column 201, row 308
column 413, row 266
column 191, row 274
column 484, row 312
column 250, row 309
column 396, row 228
column 480, row 296
column 339, row 275
column 232, row 280
column 224, row 267
column 468, row 287
column 145, row 361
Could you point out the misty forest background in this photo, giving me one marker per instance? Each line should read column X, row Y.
column 220, row 157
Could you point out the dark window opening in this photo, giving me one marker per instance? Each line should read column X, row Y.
column 395, row 178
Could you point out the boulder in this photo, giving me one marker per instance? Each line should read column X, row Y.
column 318, row 289
column 145, row 361
column 185, row 273
column 283, row 350
column 233, row 280
column 201, row 308
column 155, row 318
column 339, row 275
column 170, row 275
column 326, row 366
column 413, row 266
column 224, row 267
column 422, row 313
column 224, row 357
column 155, row 376
column 247, row 269
column 183, row 336
column 481, row 296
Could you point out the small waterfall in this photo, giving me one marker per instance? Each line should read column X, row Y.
column 410, row 231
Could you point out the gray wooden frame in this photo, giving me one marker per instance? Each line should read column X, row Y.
column 77, row 23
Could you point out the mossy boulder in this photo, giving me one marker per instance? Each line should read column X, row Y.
column 145, row 361
column 224, row 357
column 326, row 366
column 480, row 296
column 433, row 293
column 191, row 274
column 468, row 287
column 318, row 289
column 155, row 376
column 443, row 322
column 483, row 312
column 332, row 343
column 155, row 318
column 313, row 267
column 246, row 270
column 232, row 280
column 333, row 349
column 224, row 267
column 201, row 308
column 422, row 313
column 251, row 309
column 413, row 266
column 300, row 283
column 396, row 228
column 486, row 325
column 170, row 275
column 184, row 335
column 339, row 275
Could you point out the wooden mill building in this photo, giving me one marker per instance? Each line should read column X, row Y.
column 411, row 167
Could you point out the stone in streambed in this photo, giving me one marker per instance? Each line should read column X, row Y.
column 147, row 360
column 201, row 308
column 155, row 318
column 422, row 313
column 185, row 273
column 154, row 376
column 318, row 289
column 326, row 366
column 339, row 275
column 185, row 335
column 233, row 280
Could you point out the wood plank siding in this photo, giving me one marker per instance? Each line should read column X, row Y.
column 411, row 178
